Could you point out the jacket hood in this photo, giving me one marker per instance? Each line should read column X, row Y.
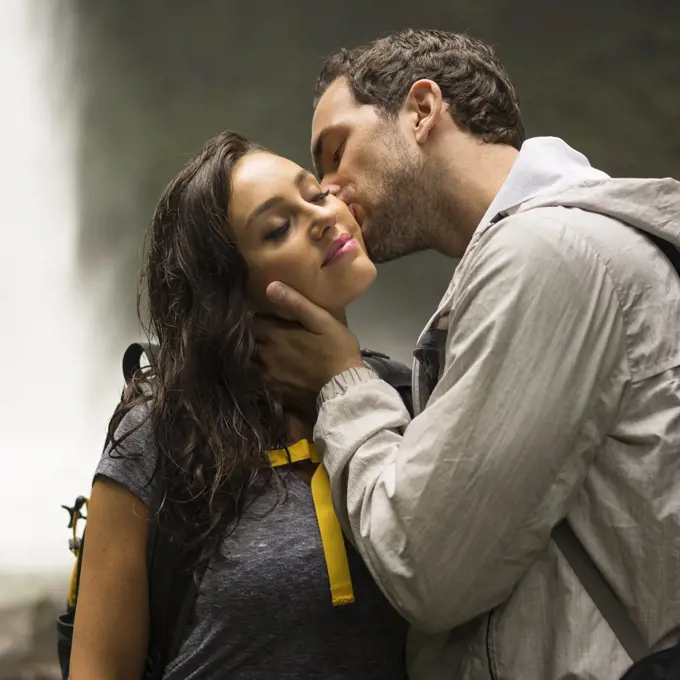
column 651, row 205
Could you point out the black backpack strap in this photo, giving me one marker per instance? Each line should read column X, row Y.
column 600, row 592
column 133, row 355
column 173, row 581
column 173, row 588
column 392, row 372
column 667, row 248
column 587, row 572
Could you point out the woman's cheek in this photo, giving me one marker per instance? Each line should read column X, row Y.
column 290, row 265
column 291, row 270
column 257, row 287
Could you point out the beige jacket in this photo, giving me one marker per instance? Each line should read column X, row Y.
column 558, row 396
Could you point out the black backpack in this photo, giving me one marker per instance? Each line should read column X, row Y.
column 172, row 585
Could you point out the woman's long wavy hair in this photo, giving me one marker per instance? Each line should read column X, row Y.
column 212, row 415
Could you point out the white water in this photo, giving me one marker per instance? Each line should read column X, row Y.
column 49, row 435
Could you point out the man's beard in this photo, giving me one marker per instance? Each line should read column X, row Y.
column 406, row 210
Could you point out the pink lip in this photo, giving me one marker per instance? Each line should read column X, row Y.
column 342, row 245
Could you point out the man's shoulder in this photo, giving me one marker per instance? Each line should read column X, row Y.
column 543, row 223
column 576, row 235
column 543, row 235
column 535, row 240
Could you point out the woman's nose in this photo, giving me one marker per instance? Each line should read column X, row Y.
column 325, row 218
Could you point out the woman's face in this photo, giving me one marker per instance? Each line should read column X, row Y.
column 289, row 230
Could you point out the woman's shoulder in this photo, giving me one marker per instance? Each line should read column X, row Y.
column 130, row 459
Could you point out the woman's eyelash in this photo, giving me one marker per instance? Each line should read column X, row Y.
column 280, row 232
column 320, row 196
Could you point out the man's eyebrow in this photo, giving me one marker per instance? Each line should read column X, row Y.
column 300, row 177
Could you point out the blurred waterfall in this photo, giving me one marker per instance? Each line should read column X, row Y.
column 49, row 436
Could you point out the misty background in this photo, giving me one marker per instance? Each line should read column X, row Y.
column 103, row 102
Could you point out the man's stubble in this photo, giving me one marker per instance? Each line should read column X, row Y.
column 408, row 208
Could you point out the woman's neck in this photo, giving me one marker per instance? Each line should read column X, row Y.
column 301, row 420
column 341, row 316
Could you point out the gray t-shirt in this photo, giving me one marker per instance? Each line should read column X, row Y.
column 265, row 611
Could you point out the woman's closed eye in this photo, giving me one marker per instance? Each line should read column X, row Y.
column 278, row 233
column 321, row 196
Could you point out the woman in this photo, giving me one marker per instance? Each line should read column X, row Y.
column 270, row 604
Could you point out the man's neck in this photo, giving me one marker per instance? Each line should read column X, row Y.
column 474, row 173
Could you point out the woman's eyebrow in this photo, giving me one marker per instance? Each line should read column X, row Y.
column 300, row 177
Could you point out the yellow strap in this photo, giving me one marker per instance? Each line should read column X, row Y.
column 332, row 539
column 302, row 450
column 73, row 587
column 73, row 583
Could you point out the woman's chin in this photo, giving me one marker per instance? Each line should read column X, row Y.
column 359, row 279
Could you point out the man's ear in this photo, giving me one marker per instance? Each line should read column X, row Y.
column 424, row 106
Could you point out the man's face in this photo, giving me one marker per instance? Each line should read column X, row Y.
column 378, row 169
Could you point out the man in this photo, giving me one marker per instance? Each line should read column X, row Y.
column 547, row 383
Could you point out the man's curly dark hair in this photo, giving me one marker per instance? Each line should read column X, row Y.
column 472, row 80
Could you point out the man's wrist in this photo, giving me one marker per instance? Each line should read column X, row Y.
column 340, row 383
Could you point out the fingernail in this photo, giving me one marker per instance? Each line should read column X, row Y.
column 276, row 291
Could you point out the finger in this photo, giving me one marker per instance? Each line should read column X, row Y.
column 264, row 361
column 311, row 316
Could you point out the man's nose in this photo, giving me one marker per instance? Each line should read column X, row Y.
column 332, row 188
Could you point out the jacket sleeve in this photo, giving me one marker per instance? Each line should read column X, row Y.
column 450, row 510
